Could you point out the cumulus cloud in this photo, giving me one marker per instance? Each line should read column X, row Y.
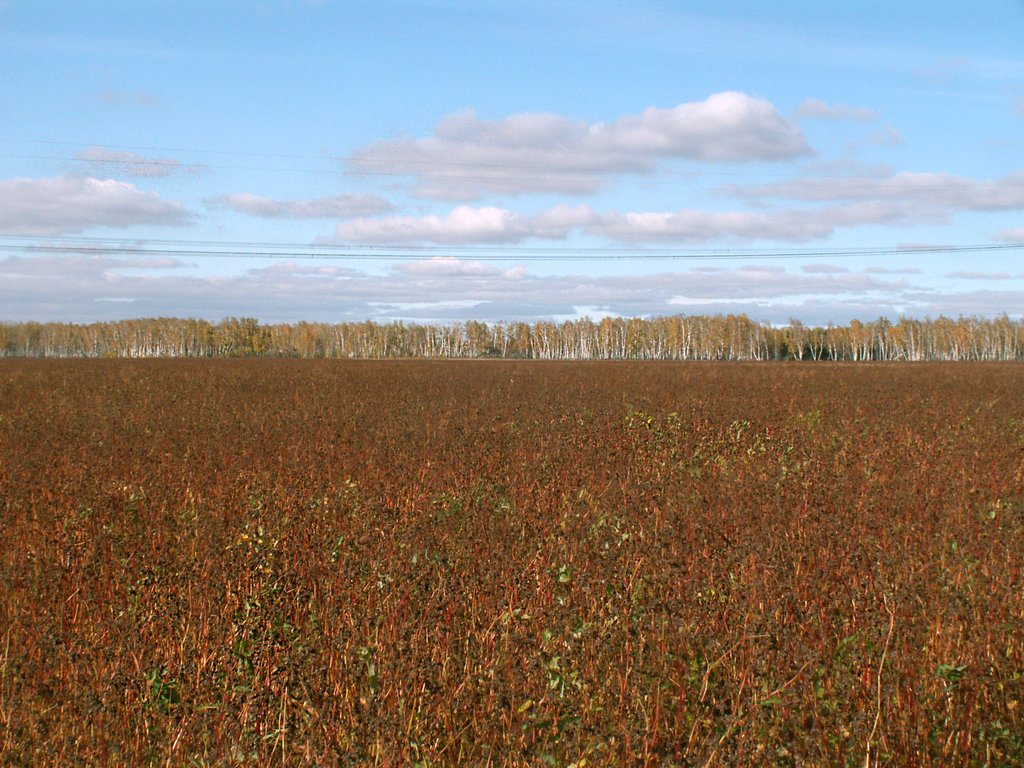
column 467, row 156
column 68, row 205
column 467, row 225
column 343, row 206
column 839, row 111
column 114, row 162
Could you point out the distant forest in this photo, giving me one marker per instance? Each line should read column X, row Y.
column 720, row 337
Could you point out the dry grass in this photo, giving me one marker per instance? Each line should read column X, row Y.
column 510, row 564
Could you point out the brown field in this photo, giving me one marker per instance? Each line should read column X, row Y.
column 270, row 562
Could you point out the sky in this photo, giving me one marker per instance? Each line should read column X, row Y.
column 452, row 160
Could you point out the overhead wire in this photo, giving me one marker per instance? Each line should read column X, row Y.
column 114, row 247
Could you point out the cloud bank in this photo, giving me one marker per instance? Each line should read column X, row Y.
column 440, row 289
column 443, row 289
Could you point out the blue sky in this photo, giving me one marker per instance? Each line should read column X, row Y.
column 442, row 161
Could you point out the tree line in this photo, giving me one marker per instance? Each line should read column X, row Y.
column 718, row 337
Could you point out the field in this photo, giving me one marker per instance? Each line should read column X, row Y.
column 265, row 562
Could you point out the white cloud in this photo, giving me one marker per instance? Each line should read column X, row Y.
column 1011, row 235
column 848, row 167
column 463, row 225
column 823, row 269
column 791, row 225
column 68, row 204
column 467, row 156
column 343, row 206
column 966, row 275
column 726, row 127
column 938, row 190
column 556, row 223
column 450, row 266
column 820, row 109
column 147, row 263
column 292, row 269
column 468, row 225
column 84, row 270
column 886, row 271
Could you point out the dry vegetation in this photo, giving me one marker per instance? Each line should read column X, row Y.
column 507, row 563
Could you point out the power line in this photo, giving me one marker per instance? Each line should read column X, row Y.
column 115, row 247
